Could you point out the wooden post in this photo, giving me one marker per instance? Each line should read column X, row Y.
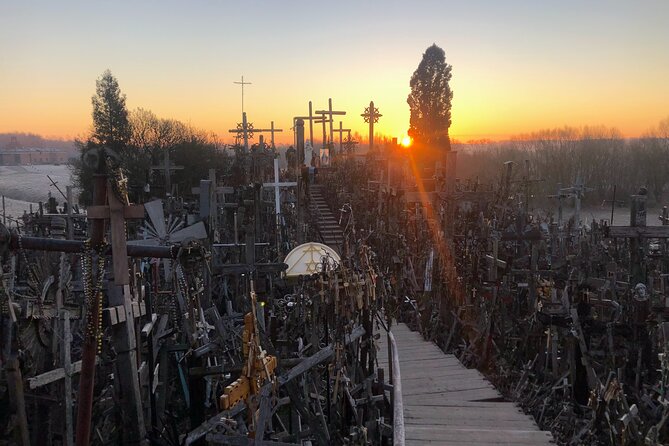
column 637, row 219
column 17, row 403
column 298, row 175
column 341, row 131
column 124, row 333
column 330, row 114
column 70, row 224
column 311, row 125
column 67, row 366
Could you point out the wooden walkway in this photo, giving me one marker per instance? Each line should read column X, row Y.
column 448, row 404
column 328, row 226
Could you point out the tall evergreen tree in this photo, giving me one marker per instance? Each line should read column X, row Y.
column 430, row 99
column 111, row 127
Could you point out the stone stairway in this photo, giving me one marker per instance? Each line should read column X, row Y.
column 328, row 227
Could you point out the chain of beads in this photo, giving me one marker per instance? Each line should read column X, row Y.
column 93, row 291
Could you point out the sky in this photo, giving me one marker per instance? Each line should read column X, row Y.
column 518, row 66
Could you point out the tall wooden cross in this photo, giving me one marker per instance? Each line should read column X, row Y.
column 330, row 114
column 115, row 212
column 242, row 83
column 371, row 116
column 167, row 169
column 341, row 131
column 125, row 341
column 277, row 185
column 312, row 119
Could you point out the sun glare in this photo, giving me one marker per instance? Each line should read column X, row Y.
column 406, row 141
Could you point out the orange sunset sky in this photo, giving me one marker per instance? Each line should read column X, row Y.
column 518, row 66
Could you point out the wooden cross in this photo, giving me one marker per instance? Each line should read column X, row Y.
column 577, row 191
column 116, row 212
column 167, row 169
column 341, row 131
column 526, row 181
column 330, row 114
column 371, row 116
column 124, row 333
column 637, row 231
column 312, row 119
column 277, row 185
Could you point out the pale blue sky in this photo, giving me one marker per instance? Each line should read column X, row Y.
column 518, row 65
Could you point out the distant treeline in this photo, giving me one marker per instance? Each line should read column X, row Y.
column 598, row 157
column 31, row 140
column 194, row 150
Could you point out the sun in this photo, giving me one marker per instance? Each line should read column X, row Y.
column 406, row 141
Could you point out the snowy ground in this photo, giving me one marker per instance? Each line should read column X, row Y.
column 25, row 185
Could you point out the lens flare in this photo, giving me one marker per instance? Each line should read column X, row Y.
column 406, row 141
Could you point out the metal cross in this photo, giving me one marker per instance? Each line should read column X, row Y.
column 372, row 116
column 242, row 83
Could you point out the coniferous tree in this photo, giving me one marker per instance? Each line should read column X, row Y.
column 430, row 99
column 111, row 127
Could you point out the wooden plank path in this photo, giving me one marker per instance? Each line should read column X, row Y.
column 328, row 226
column 448, row 404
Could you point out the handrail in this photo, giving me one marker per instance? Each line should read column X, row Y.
column 398, row 405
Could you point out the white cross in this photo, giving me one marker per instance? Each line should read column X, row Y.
column 277, row 186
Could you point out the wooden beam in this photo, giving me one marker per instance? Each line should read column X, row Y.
column 102, row 212
column 638, row 231
column 54, row 375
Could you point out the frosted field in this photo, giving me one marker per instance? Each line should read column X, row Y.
column 23, row 185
